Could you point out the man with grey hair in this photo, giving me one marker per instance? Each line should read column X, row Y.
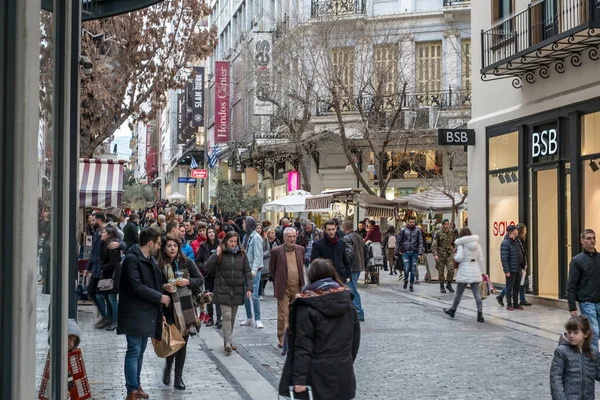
column 286, row 269
column 310, row 233
column 283, row 223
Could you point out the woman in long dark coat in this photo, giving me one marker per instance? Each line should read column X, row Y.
column 111, row 268
column 180, row 278
column 207, row 249
column 323, row 337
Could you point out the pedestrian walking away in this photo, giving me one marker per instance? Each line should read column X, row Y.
column 253, row 244
column 357, row 255
column 140, row 308
column 180, row 279
column 409, row 246
column 509, row 255
column 443, row 251
column 111, row 269
column 470, row 272
column 583, row 284
column 575, row 366
column 389, row 247
column 287, row 266
column 323, row 337
column 233, row 280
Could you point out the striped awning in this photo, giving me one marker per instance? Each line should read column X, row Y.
column 100, row 183
column 325, row 199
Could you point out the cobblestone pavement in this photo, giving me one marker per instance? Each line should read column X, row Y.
column 409, row 349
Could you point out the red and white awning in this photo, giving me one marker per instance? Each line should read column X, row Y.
column 101, row 183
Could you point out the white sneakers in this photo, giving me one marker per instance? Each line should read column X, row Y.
column 250, row 322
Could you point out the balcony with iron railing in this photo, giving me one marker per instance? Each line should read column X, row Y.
column 547, row 34
column 443, row 100
column 336, row 8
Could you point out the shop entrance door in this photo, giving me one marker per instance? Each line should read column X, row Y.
column 545, row 232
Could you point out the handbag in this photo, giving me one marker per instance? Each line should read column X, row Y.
column 170, row 343
column 108, row 284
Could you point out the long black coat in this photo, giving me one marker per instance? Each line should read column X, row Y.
column 323, row 337
column 140, row 309
column 131, row 234
column 111, row 264
column 230, row 275
column 324, row 248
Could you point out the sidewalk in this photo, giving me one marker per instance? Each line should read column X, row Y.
column 208, row 373
column 542, row 321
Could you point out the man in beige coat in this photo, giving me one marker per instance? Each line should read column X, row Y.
column 287, row 269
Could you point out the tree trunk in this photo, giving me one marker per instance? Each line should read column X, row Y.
column 303, row 171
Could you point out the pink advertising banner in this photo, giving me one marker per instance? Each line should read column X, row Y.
column 222, row 98
column 293, row 181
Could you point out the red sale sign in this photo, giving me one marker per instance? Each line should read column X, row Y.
column 199, row 173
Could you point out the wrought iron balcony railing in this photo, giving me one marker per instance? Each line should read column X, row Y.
column 547, row 32
column 450, row 99
column 327, row 8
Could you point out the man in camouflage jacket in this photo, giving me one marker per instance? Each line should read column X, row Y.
column 443, row 252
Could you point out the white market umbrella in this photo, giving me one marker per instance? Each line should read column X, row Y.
column 293, row 202
column 176, row 196
column 430, row 200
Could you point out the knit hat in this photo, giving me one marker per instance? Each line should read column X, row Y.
column 510, row 228
column 445, row 220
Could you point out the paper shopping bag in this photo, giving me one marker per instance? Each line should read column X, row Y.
column 171, row 341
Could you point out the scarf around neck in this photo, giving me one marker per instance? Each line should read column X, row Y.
column 322, row 285
column 234, row 250
column 333, row 240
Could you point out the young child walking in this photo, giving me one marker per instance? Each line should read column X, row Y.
column 575, row 367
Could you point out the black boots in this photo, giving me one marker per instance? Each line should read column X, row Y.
column 178, row 380
column 450, row 312
column 442, row 289
column 449, row 287
column 167, row 372
column 480, row 316
column 405, row 284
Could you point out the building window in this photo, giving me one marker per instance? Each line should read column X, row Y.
column 466, row 65
column 385, row 65
column 590, row 138
column 503, row 196
column 342, row 63
column 502, row 9
column 429, row 67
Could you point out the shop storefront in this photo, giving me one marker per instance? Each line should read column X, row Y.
column 543, row 170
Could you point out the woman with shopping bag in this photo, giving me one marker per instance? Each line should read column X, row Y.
column 180, row 277
column 470, row 270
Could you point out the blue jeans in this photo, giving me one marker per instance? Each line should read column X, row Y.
column 592, row 312
column 134, row 356
column 255, row 299
column 410, row 258
column 101, row 303
column 114, row 306
column 354, row 290
column 521, row 293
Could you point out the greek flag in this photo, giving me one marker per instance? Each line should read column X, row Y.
column 193, row 163
column 213, row 159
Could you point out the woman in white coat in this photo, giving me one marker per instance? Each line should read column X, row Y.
column 470, row 270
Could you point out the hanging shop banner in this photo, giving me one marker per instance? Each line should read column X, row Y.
column 293, row 181
column 262, row 65
column 222, row 93
column 181, row 119
column 196, row 99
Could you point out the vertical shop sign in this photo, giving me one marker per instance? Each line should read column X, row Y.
column 196, row 102
column 262, row 65
column 222, row 93
column 181, row 114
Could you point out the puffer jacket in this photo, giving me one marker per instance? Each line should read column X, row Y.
column 584, row 279
column 572, row 373
column 470, row 259
column 230, row 275
column 409, row 240
column 509, row 255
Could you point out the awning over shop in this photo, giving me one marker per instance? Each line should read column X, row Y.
column 324, row 200
column 432, row 200
column 377, row 206
column 100, row 183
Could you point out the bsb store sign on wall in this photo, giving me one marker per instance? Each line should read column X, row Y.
column 544, row 144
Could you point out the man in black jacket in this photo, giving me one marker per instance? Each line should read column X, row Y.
column 131, row 231
column 510, row 256
column 333, row 249
column 140, row 306
column 584, row 281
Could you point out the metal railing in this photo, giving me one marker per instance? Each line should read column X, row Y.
column 540, row 21
column 457, row 3
column 448, row 99
column 337, row 7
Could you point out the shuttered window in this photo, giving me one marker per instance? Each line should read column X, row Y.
column 342, row 60
column 429, row 67
column 385, row 69
column 466, row 64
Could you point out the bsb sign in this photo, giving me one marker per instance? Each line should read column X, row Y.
column 456, row 137
column 544, row 143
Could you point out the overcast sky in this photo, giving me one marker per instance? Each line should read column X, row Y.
column 122, row 138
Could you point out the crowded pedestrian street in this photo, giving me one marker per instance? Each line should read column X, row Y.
column 409, row 350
